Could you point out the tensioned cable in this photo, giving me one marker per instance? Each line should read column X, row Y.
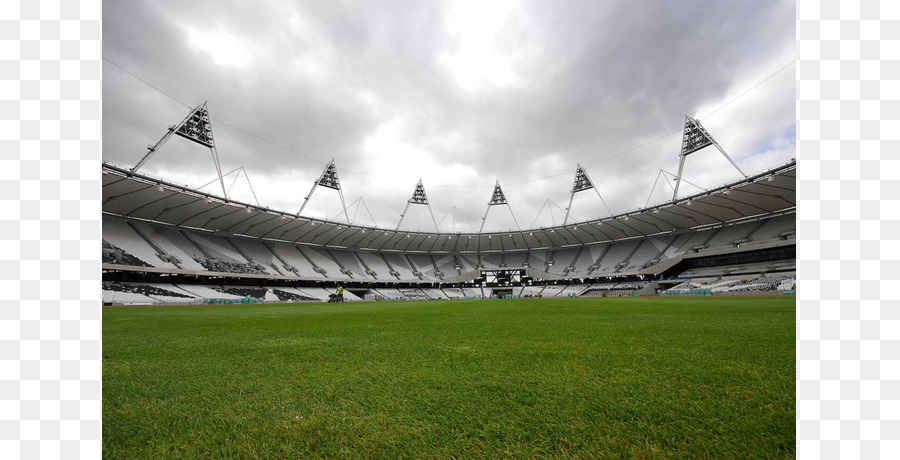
column 512, row 184
column 750, row 89
column 679, row 130
column 155, row 127
column 214, row 118
column 146, row 82
column 757, row 85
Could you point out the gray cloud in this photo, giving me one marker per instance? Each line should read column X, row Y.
column 380, row 87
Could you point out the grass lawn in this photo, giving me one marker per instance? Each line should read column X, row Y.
column 587, row 378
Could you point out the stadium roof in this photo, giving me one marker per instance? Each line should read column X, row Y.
column 142, row 197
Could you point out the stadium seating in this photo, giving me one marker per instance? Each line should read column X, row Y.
column 672, row 247
column 492, row 261
column 399, row 265
column 613, row 260
column 126, row 293
column 144, row 244
column 581, row 264
column 414, row 294
column 515, row 259
column 348, row 263
column 295, row 261
column 206, row 252
column 208, row 292
column 694, row 241
column 433, row 293
column 646, row 250
column 776, row 228
column 738, row 285
column 376, row 264
column 388, row 293
column 119, row 234
column 321, row 259
column 454, row 293
column 552, row 290
column 445, row 265
column 139, row 293
column 468, row 263
column 562, row 261
column 287, row 295
column 168, row 240
column 726, row 236
column 258, row 253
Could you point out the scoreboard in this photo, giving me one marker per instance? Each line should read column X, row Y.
column 504, row 277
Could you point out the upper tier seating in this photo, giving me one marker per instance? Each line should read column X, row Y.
column 173, row 243
column 145, row 244
column 294, row 261
column 776, row 228
column 614, row 258
column 320, row 258
column 399, row 265
column 119, row 234
column 376, row 263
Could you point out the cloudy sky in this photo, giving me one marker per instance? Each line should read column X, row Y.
column 460, row 94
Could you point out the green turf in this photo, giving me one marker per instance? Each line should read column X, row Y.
column 587, row 378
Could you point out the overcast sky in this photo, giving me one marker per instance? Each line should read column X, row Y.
column 459, row 94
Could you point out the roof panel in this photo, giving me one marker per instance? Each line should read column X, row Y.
column 144, row 197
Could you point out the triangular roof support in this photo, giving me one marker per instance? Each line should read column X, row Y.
column 195, row 127
column 453, row 213
column 582, row 182
column 546, row 203
column 238, row 170
column 498, row 198
column 361, row 200
column 328, row 179
column 418, row 197
column 696, row 138
column 359, row 203
column 665, row 175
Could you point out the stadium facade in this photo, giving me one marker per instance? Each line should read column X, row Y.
column 166, row 243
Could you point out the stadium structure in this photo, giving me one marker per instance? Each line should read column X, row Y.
column 165, row 243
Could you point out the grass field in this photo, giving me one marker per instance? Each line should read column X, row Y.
column 587, row 378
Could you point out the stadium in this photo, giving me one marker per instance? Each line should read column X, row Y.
column 165, row 244
column 169, row 244
column 645, row 310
